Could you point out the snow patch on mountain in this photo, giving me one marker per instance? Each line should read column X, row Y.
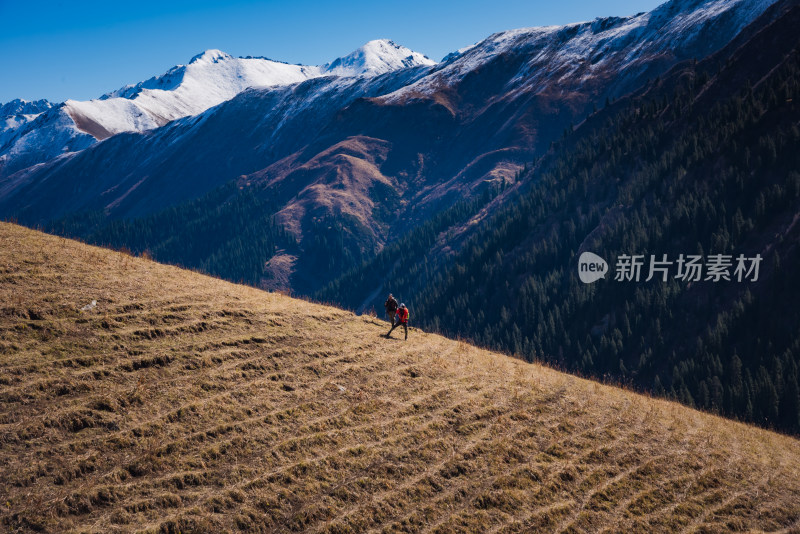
column 15, row 121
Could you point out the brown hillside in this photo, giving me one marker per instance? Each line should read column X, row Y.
column 185, row 403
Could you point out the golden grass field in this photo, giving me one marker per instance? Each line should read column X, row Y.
column 182, row 403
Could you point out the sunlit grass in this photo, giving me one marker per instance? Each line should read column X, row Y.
column 185, row 403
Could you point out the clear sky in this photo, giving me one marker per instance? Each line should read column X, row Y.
column 81, row 49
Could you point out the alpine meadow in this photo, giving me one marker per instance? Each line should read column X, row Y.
column 183, row 403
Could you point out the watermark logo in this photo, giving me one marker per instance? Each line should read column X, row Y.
column 686, row 268
column 591, row 267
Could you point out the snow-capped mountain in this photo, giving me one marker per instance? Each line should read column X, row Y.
column 34, row 132
column 448, row 128
column 17, row 113
column 214, row 77
column 374, row 58
column 207, row 80
column 612, row 49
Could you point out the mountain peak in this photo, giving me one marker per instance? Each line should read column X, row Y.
column 376, row 57
column 20, row 105
column 212, row 55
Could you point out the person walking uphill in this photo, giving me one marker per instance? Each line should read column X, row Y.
column 391, row 307
column 402, row 319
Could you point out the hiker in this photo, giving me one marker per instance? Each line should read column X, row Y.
column 391, row 307
column 402, row 319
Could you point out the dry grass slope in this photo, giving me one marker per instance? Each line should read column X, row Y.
column 185, row 403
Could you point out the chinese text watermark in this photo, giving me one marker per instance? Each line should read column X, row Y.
column 686, row 268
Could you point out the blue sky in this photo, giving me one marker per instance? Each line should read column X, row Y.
column 82, row 49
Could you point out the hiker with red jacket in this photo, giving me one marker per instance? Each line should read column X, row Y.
column 402, row 319
column 391, row 307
